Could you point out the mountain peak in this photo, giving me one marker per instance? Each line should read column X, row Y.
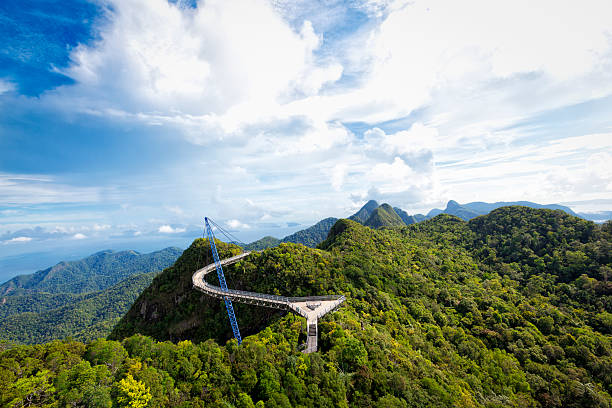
column 452, row 204
column 371, row 205
column 384, row 216
column 364, row 212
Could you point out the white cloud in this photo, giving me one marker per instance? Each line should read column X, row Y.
column 599, row 165
column 167, row 229
column 195, row 64
column 6, row 86
column 79, row 235
column 235, row 224
column 418, row 138
column 337, row 176
column 35, row 189
column 19, row 239
column 271, row 98
column 457, row 49
column 176, row 210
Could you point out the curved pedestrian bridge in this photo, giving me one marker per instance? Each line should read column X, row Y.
column 310, row 307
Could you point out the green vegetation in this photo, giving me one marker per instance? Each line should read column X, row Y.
column 511, row 309
column 364, row 212
column 384, row 216
column 263, row 243
column 312, row 236
column 463, row 212
column 409, row 219
column 471, row 210
column 94, row 273
column 84, row 317
column 31, row 314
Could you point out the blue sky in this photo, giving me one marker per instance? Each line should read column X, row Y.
column 124, row 123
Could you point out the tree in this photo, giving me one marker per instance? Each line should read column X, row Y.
column 132, row 393
column 32, row 391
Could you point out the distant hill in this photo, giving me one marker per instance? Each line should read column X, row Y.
column 316, row 234
column 309, row 237
column 384, row 216
column 471, row 210
column 263, row 243
column 83, row 317
column 599, row 217
column 93, row 273
column 461, row 211
column 82, row 299
column 409, row 219
column 484, row 208
column 312, row 236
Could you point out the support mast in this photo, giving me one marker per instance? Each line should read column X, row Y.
column 222, row 283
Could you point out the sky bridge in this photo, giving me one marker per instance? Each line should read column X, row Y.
column 310, row 307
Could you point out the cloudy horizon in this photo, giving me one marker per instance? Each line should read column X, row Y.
column 126, row 122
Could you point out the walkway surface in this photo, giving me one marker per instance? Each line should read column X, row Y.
column 310, row 307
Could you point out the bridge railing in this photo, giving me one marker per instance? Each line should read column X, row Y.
column 313, row 298
column 331, row 307
column 244, row 293
column 202, row 284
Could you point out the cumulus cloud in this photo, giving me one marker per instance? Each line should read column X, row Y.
column 37, row 233
column 79, row 235
column 206, row 66
column 419, row 103
column 235, row 224
column 457, row 49
column 167, row 229
column 593, row 175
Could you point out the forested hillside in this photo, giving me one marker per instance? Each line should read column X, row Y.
column 60, row 301
column 84, row 317
column 511, row 309
column 96, row 272
column 384, row 216
column 379, row 216
column 310, row 237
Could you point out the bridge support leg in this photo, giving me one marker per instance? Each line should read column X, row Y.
column 312, row 333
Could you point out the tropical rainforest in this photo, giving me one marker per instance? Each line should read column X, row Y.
column 81, row 299
column 509, row 309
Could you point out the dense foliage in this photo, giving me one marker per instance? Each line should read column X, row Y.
column 364, row 212
column 440, row 313
column 409, row 219
column 83, row 317
column 312, row 236
column 471, row 210
column 384, row 216
column 63, row 300
column 262, row 243
column 93, row 273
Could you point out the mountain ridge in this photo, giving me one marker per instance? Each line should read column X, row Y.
column 472, row 302
column 92, row 273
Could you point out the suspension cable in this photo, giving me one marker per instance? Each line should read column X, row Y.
column 231, row 237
